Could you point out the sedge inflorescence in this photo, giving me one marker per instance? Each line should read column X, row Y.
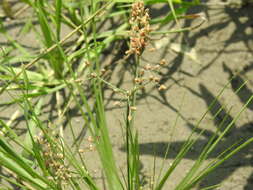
column 139, row 37
column 140, row 28
column 148, row 74
column 54, row 158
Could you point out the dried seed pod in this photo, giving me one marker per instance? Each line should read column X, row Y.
column 148, row 67
column 133, row 108
column 81, row 151
column 162, row 87
column 90, row 139
column 103, row 71
column 91, row 147
column 156, row 67
column 93, row 75
column 87, row 63
column 141, row 73
column 163, row 62
column 138, row 80
column 156, row 79
column 129, row 117
column 151, row 78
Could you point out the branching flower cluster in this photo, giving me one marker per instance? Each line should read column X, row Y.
column 140, row 28
column 54, row 159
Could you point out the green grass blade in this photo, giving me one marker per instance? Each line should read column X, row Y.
column 58, row 12
column 54, row 57
column 214, row 144
column 218, row 163
column 13, row 161
column 186, row 147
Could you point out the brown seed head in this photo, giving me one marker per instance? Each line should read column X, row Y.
column 163, row 62
column 156, row 79
column 138, row 80
column 140, row 28
column 148, row 67
column 162, row 87
column 93, row 75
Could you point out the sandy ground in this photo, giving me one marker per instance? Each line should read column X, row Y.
column 223, row 45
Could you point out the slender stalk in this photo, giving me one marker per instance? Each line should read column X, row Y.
column 127, row 145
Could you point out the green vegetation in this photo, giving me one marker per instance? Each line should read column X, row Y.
column 72, row 65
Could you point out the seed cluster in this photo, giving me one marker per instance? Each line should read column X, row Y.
column 54, row 158
column 140, row 28
column 90, row 146
column 148, row 74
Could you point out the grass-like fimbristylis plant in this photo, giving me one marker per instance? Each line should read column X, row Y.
column 44, row 159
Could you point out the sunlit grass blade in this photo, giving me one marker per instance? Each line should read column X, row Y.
column 211, row 147
column 217, row 164
column 18, row 165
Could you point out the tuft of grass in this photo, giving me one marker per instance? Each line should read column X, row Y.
column 44, row 160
